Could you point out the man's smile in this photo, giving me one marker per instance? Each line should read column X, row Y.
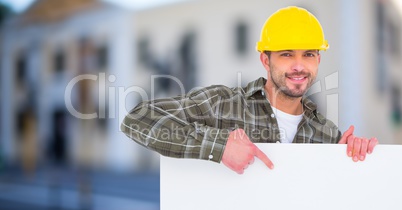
column 297, row 79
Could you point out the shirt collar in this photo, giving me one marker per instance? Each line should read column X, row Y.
column 255, row 86
column 307, row 103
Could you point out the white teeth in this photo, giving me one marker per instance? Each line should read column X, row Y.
column 297, row 78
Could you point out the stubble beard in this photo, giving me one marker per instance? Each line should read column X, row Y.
column 279, row 82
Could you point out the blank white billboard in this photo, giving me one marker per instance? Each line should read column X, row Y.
column 306, row 176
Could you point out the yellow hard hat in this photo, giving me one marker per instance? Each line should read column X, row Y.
column 292, row 28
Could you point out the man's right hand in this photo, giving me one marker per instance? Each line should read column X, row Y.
column 240, row 151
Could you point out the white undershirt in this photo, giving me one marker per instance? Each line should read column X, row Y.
column 287, row 124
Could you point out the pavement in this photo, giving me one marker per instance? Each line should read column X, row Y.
column 68, row 189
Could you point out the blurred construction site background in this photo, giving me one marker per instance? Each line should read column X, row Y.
column 72, row 69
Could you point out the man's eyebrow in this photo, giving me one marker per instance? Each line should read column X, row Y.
column 307, row 51
column 281, row 51
column 311, row 51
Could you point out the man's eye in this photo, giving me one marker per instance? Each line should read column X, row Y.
column 310, row 55
column 286, row 54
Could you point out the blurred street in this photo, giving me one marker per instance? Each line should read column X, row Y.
column 69, row 189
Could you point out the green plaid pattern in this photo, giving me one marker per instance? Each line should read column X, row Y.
column 197, row 125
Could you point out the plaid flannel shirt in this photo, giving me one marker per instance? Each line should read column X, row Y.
column 197, row 125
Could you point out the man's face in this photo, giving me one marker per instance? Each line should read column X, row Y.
column 292, row 72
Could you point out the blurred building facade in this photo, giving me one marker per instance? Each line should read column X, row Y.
column 43, row 50
column 196, row 43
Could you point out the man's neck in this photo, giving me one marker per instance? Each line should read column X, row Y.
column 283, row 102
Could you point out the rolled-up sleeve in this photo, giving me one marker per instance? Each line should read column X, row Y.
column 177, row 127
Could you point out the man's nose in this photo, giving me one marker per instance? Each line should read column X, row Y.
column 298, row 64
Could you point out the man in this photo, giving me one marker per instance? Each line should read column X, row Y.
column 222, row 124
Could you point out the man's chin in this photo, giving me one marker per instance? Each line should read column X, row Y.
column 294, row 94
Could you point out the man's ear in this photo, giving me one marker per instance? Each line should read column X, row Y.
column 264, row 60
column 319, row 58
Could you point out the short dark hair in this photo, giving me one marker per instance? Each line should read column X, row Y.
column 268, row 53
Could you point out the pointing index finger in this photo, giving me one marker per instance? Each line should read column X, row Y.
column 264, row 158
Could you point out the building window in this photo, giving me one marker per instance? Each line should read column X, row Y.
column 58, row 144
column 19, row 124
column 188, row 60
column 143, row 52
column 241, row 33
column 103, row 117
column 388, row 32
column 381, row 70
column 24, row 120
column 59, row 61
column 396, row 105
column 102, row 57
column 21, row 68
column 394, row 39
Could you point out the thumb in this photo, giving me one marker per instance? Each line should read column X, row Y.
column 345, row 135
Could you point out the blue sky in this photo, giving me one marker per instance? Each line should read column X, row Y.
column 20, row 5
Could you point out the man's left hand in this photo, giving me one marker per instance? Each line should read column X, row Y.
column 357, row 147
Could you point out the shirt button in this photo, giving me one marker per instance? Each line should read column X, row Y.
column 272, row 115
column 210, row 156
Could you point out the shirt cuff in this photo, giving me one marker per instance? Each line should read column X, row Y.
column 213, row 144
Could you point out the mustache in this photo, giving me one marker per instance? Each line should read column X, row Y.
column 298, row 74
